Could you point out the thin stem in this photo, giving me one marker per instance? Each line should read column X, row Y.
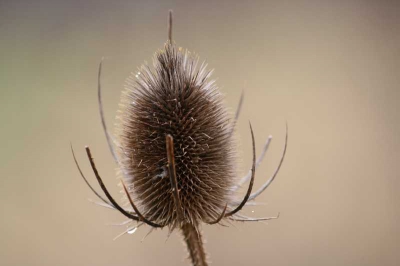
column 194, row 244
column 170, row 26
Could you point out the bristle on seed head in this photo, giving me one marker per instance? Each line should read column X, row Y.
column 176, row 97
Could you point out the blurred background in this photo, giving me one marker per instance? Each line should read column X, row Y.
column 328, row 68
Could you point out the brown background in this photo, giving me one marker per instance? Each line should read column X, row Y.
column 328, row 68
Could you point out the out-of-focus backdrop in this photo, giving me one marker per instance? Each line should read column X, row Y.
column 328, row 68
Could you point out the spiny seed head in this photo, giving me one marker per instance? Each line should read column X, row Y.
column 176, row 97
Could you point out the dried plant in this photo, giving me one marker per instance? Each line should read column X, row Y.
column 174, row 147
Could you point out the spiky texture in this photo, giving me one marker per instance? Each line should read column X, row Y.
column 178, row 98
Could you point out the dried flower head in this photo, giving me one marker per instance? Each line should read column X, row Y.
column 177, row 99
column 175, row 150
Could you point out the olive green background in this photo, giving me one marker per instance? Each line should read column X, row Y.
column 328, row 68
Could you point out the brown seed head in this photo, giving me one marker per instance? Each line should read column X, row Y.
column 177, row 98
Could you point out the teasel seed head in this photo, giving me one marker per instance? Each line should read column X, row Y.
column 174, row 147
column 176, row 97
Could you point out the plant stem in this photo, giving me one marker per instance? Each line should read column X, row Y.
column 194, row 243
